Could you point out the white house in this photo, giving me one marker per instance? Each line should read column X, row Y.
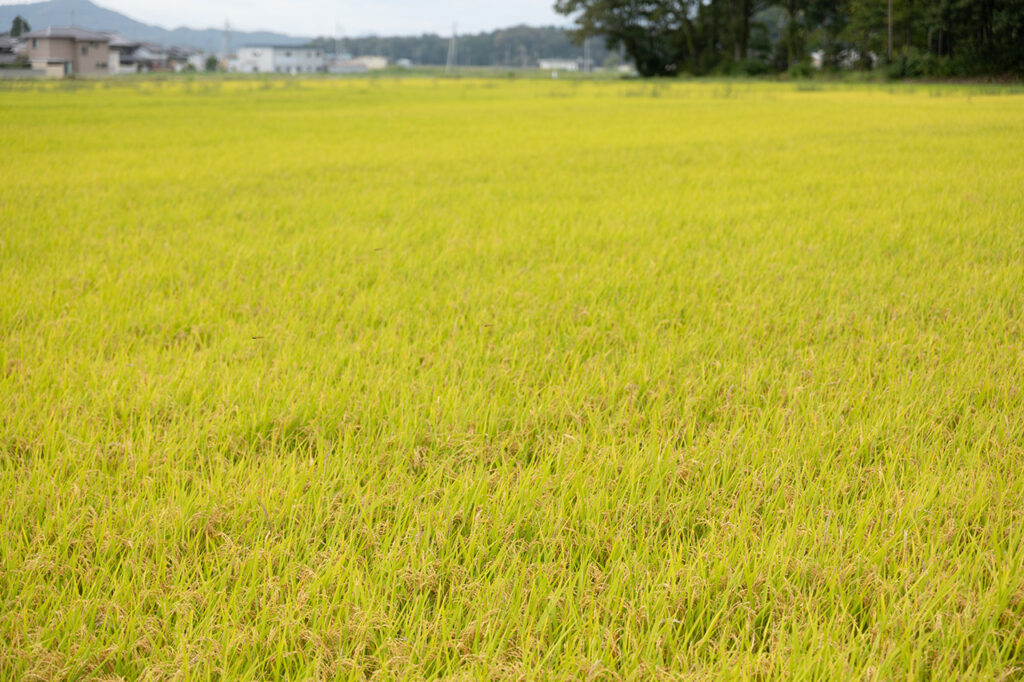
column 565, row 64
column 279, row 59
column 197, row 60
column 350, row 64
column 848, row 59
column 372, row 62
column 558, row 65
column 346, row 65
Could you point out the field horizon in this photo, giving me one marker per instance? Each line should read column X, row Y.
column 430, row 378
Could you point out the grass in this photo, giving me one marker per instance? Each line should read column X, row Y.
column 404, row 379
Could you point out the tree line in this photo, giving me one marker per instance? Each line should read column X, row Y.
column 907, row 37
column 518, row 46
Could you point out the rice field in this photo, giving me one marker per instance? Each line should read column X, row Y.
column 506, row 379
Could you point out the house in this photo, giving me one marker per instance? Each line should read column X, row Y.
column 133, row 56
column 847, row 59
column 345, row 64
column 197, row 60
column 8, row 51
column 372, row 63
column 565, row 65
column 144, row 58
column 68, row 51
column 119, row 47
column 181, row 58
column 279, row 59
column 350, row 64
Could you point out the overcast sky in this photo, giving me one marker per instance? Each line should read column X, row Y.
column 356, row 17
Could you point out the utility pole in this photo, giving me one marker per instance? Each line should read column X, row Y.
column 227, row 41
column 890, row 30
column 453, row 51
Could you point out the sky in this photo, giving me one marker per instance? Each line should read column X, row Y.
column 355, row 17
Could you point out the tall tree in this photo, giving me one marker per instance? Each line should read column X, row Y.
column 826, row 21
column 793, row 35
column 19, row 26
column 658, row 35
column 740, row 12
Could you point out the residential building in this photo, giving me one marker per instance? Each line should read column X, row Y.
column 197, row 61
column 279, row 59
column 566, row 64
column 134, row 56
column 345, row 64
column 372, row 62
column 181, row 58
column 140, row 57
column 8, row 53
column 349, row 64
column 68, row 51
column 559, row 65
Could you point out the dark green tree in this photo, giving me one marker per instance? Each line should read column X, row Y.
column 826, row 22
column 795, row 32
column 980, row 36
column 19, row 26
column 866, row 29
column 740, row 12
column 657, row 34
column 665, row 37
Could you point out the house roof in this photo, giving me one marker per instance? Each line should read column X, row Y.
column 68, row 32
column 178, row 52
column 118, row 40
column 142, row 54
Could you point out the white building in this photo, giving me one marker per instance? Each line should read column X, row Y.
column 559, row 64
column 279, row 59
column 197, row 61
column 346, row 65
column 349, row 64
column 372, row 62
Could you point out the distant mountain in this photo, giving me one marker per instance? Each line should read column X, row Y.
column 85, row 14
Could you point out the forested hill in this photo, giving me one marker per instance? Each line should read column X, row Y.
column 515, row 46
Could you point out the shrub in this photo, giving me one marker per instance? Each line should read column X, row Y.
column 802, row 69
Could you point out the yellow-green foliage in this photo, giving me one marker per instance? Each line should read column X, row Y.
column 405, row 379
